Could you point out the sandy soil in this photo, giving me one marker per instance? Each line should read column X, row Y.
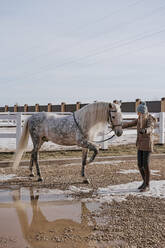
column 101, row 173
column 136, row 222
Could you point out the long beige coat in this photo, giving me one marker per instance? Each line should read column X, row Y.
column 144, row 141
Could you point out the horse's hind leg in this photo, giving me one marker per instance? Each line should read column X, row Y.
column 34, row 157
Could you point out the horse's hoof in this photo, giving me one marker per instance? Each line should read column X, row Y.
column 86, row 181
column 31, row 175
column 40, row 179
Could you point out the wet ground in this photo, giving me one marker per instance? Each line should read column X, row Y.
column 44, row 218
column 62, row 211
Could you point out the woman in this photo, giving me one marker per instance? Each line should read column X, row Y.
column 145, row 125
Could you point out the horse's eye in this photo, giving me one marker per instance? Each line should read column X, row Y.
column 113, row 117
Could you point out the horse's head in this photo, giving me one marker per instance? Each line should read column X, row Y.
column 115, row 118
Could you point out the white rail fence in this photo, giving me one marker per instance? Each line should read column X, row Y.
column 16, row 120
column 11, row 120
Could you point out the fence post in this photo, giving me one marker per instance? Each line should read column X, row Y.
column 162, row 127
column 63, row 105
column 25, row 108
column 49, row 107
column 137, row 103
column 78, row 105
column 163, row 104
column 18, row 129
column 37, row 108
column 6, row 108
column 15, row 108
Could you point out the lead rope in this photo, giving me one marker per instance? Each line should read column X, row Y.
column 100, row 141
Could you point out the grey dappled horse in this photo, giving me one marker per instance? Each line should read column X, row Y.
column 77, row 129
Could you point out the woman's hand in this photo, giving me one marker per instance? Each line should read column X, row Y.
column 142, row 131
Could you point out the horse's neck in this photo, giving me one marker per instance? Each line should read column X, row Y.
column 93, row 117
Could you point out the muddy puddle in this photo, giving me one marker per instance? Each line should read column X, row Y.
column 32, row 217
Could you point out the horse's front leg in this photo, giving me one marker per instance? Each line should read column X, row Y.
column 84, row 160
column 95, row 152
column 87, row 146
column 31, row 165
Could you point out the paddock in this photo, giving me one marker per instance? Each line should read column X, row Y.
column 107, row 212
column 62, row 211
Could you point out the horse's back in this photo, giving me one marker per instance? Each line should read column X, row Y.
column 61, row 130
column 36, row 124
column 37, row 119
column 56, row 128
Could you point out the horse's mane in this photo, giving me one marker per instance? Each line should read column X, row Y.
column 93, row 116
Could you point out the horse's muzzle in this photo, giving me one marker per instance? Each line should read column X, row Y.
column 118, row 132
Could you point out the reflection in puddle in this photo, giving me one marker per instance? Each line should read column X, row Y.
column 44, row 218
column 6, row 177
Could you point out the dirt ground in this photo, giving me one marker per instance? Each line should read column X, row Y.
column 138, row 222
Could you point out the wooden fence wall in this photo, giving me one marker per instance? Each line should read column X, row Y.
column 153, row 106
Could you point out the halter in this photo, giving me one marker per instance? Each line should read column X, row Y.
column 113, row 126
column 110, row 117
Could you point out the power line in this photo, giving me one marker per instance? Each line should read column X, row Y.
column 122, row 44
column 109, row 15
column 97, row 53
column 86, row 26
column 132, row 51
column 118, row 27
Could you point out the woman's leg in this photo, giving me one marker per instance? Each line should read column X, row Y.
column 146, row 163
column 141, row 166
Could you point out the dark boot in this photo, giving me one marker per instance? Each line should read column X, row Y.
column 141, row 186
column 140, row 166
column 145, row 186
column 146, row 172
column 143, row 177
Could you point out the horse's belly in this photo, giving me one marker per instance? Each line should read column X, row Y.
column 63, row 139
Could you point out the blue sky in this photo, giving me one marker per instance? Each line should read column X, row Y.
column 72, row 50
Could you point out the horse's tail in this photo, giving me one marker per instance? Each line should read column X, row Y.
column 21, row 146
